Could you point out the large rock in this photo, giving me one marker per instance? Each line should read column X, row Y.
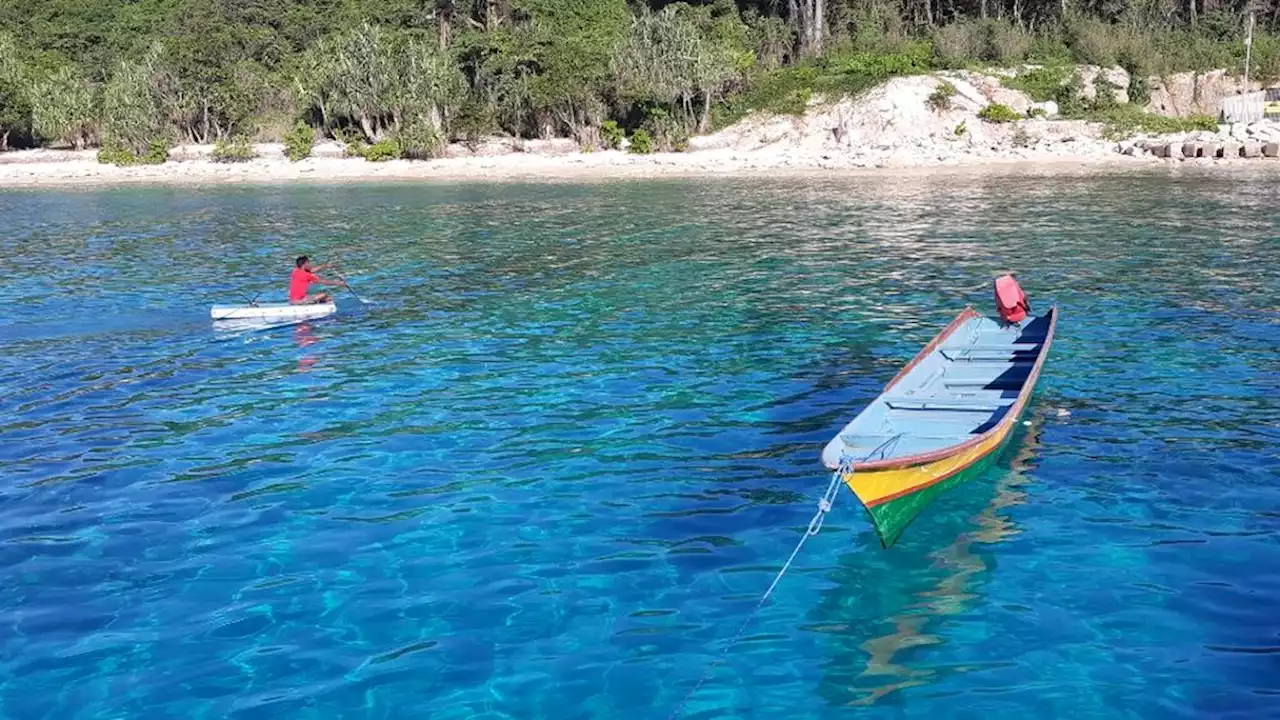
column 1092, row 75
column 1049, row 107
column 1186, row 94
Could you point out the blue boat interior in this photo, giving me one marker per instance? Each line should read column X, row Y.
column 963, row 388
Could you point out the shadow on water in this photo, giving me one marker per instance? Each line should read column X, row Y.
column 909, row 595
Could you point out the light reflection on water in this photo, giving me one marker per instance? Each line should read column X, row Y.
column 556, row 462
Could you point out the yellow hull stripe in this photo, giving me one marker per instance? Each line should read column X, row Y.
column 874, row 487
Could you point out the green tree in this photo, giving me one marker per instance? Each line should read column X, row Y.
column 136, row 103
column 570, row 43
column 64, row 107
column 15, row 101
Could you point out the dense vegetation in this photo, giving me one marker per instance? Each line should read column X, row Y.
column 399, row 78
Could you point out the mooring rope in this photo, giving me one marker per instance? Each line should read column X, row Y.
column 815, row 526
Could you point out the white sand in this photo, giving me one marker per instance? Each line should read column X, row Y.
column 66, row 168
column 890, row 129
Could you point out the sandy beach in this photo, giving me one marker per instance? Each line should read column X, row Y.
column 890, row 129
column 62, row 168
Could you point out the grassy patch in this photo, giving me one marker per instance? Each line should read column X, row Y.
column 788, row 91
column 1042, row 83
column 1125, row 121
column 997, row 113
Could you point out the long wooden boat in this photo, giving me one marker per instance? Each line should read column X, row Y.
column 943, row 418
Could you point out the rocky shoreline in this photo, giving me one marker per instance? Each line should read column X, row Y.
column 897, row 125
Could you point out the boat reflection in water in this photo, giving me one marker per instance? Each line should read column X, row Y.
column 955, row 569
column 232, row 329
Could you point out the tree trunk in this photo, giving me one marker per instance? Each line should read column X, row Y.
column 984, row 8
column 4, row 140
column 491, row 15
column 369, row 127
column 445, row 26
column 820, row 25
column 704, row 123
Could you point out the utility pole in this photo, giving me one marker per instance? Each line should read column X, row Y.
column 1248, row 50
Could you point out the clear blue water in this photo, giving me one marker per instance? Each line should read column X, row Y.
column 549, row 470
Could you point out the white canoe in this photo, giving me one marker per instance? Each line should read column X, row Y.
column 273, row 311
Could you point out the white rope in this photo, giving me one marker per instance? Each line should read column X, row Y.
column 815, row 526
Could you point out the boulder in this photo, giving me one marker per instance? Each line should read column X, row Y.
column 1049, row 107
column 1185, row 94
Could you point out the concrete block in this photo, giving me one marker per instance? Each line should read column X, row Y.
column 1252, row 150
column 1271, row 149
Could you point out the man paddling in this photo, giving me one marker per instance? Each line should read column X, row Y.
column 300, row 281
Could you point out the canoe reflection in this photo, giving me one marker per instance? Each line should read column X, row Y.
column 956, row 568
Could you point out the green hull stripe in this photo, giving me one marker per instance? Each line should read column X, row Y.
column 891, row 518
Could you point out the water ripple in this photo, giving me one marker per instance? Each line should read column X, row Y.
column 550, row 471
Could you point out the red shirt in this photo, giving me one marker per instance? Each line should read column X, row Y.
column 299, row 281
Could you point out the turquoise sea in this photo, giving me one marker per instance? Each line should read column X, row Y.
column 551, row 466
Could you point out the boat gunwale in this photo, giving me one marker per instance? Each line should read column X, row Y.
column 1003, row 426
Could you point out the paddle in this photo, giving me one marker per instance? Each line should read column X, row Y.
column 353, row 292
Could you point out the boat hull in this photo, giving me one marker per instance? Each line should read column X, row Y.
column 891, row 509
column 272, row 311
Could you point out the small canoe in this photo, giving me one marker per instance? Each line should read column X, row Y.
column 943, row 418
column 273, row 311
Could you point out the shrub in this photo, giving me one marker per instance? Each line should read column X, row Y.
column 157, row 153
column 299, row 141
column 476, row 120
column 641, row 143
column 1005, row 43
column 940, row 99
column 381, row 151
column 418, row 141
column 1105, row 92
column 231, row 151
column 354, row 148
column 112, row 155
column 1037, row 113
column 1070, row 97
column 958, row 43
column 611, row 134
column 997, row 113
column 1092, row 41
column 961, row 129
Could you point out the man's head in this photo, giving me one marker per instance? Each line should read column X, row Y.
column 303, row 262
